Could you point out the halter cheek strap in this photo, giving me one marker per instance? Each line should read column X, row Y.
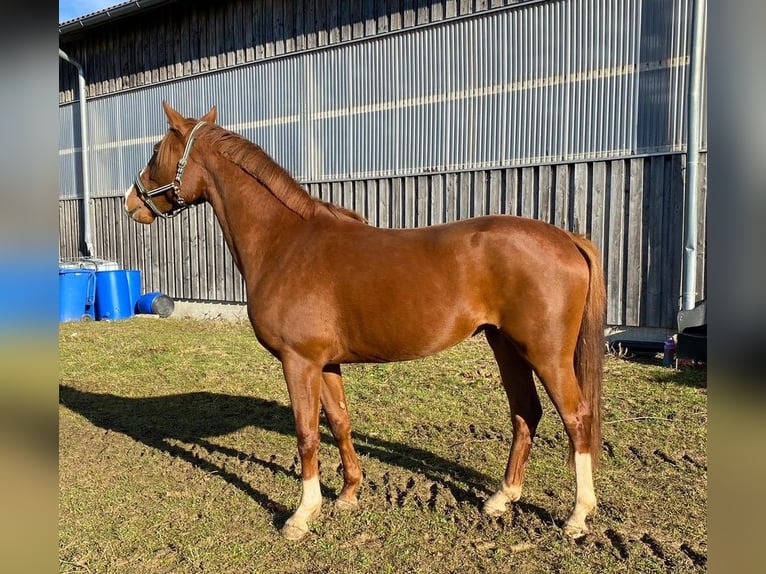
column 174, row 186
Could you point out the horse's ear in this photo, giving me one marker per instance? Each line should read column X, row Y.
column 210, row 116
column 175, row 120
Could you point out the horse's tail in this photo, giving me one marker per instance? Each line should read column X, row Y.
column 589, row 353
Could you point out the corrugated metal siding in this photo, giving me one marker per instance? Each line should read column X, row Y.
column 631, row 208
column 546, row 82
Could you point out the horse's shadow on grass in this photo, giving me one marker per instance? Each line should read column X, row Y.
column 191, row 418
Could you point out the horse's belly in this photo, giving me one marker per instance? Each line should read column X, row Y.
column 403, row 334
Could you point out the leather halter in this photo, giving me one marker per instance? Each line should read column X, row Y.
column 174, row 186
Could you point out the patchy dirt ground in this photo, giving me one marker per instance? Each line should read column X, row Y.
column 176, row 454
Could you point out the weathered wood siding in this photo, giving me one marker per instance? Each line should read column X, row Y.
column 185, row 38
column 632, row 209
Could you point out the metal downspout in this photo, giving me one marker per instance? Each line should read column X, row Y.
column 87, row 233
column 693, row 141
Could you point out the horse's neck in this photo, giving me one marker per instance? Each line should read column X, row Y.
column 253, row 221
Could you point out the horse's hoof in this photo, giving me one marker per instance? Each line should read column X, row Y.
column 292, row 532
column 496, row 505
column 342, row 505
column 574, row 532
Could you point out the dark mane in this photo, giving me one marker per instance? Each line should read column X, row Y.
column 255, row 161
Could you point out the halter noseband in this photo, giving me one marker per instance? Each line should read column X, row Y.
column 174, row 186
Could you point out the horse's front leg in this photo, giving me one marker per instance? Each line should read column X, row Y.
column 335, row 408
column 304, row 382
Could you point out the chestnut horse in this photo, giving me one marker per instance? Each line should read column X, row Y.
column 324, row 288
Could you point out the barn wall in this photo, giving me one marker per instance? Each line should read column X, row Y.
column 410, row 112
column 632, row 209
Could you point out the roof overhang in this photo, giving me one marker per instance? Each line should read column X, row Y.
column 107, row 15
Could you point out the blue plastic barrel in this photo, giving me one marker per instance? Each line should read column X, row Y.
column 155, row 303
column 113, row 295
column 134, row 287
column 77, row 289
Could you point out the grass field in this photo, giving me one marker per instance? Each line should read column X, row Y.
column 177, row 454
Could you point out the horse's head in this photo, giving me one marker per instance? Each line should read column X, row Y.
column 171, row 181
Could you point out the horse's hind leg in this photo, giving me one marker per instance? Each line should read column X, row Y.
column 556, row 371
column 526, row 411
column 336, row 410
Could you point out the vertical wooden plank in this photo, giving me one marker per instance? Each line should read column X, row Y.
column 204, row 46
column 437, row 214
column 194, row 39
column 299, row 25
column 348, row 195
column 511, row 191
column 333, row 22
column 370, row 20
column 203, row 250
column 178, row 251
column 451, row 198
column 345, row 18
column 360, row 198
column 384, row 203
column 288, row 14
column 423, row 201
column 267, row 27
column 185, row 255
column 239, row 31
column 226, row 39
column 177, row 58
column 157, row 233
column 111, row 49
column 213, row 33
column 357, row 19
column 397, row 203
column 598, row 194
column 325, row 191
column 528, row 203
column 410, row 202
column 248, row 22
column 280, row 30
column 372, row 203
column 464, row 200
column 614, row 246
column 219, row 263
column 580, row 199
column 465, row 7
column 383, row 18
column 408, row 14
column 450, row 8
column 654, row 215
column 196, row 253
column 480, row 193
column 544, row 194
column 423, row 12
column 437, row 11
column 336, row 193
column 635, row 264
column 157, row 56
column 495, row 205
column 561, row 206
column 395, row 15
column 310, row 25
